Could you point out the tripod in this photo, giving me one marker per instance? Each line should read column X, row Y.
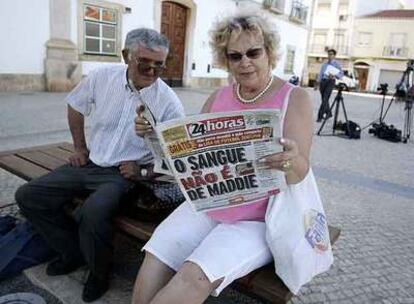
column 404, row 92
column 384, row 90
column 407, row 119
column 338, row 102
column 409, row 100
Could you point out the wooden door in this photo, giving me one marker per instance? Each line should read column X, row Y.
column 362, row 78
column 173, row 25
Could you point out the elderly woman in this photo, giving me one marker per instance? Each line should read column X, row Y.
column 192, row 255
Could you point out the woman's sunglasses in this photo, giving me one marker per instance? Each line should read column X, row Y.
column 251, row 54
column 144, row 66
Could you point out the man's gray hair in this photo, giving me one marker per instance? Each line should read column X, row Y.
column 147, row 38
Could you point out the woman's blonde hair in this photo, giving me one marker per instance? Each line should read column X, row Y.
column 243, row 22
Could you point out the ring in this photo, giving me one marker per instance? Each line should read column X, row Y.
column 287, row 165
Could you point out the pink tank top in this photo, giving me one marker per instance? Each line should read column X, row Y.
column 225, row 101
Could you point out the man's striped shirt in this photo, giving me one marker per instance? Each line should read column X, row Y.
column 105, row 95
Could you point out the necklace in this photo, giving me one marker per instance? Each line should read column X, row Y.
column 253, row 99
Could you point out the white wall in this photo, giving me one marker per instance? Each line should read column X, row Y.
column 381, row 30
column 207, row 13
column 22, row 43
column 293, row 36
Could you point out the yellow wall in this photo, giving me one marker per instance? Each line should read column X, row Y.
column 381, row 30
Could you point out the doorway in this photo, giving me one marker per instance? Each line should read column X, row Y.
column 174, row 27
column 362, row 72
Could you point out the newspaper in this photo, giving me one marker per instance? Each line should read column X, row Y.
column 216, row 157
column 331, row 70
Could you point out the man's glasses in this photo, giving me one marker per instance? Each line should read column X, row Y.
column 144, row 66
column 251, row 54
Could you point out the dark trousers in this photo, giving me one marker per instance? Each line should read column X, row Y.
column 43, row 201
column 325, row 87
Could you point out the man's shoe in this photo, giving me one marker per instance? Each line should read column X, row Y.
column 61, row 266
column 94, row 288
column 319, row 120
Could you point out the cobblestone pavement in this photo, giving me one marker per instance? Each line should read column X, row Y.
column 367, row 187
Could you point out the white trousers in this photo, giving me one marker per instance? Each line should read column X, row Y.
column 222, row 251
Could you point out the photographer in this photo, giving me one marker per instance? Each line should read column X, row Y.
column 326, row 82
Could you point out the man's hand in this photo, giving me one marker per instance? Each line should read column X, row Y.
column 142, row 126
column 331, row 76
column 130, row 170
column 79, row 158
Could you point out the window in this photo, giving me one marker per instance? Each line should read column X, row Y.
column 299, row 12
column 323, row 12
column 319, row 42
column 100, row 30
column 364, row 39
column 290, row 60
column 324, row 7
column 343, row 9
column 277, row 6
column 398, row 39
column 396, row 46
column 340, row 43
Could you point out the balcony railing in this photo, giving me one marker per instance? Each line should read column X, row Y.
column 276, row 6
column 299, row 12
column 394, row 51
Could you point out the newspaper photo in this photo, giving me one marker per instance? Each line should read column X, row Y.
column 160, row 162
column 215, row 157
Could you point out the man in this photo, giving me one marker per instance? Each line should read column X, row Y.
column 326, row 82
column 106, row 168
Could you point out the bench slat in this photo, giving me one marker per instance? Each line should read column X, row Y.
column 140, row 230
column 21, row 167
column 40, row 147
column 42, row 159
column 58, row 153
column 66, row 146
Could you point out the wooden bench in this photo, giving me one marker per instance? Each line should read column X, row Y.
column 36, row 161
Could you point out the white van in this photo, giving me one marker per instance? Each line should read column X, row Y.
column 349, row 80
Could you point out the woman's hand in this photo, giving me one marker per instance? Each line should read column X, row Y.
column 142, row 126
column 283, row 161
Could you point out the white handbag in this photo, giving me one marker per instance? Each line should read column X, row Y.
column 297, row 233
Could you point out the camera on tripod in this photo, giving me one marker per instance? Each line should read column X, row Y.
column 383, row 88
column 410, row 65
column 384, row 131
column 341, row 87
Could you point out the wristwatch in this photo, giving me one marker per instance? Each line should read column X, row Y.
column 144, row 172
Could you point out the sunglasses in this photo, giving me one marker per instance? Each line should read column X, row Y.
column 144, row 66
column 251, row 54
